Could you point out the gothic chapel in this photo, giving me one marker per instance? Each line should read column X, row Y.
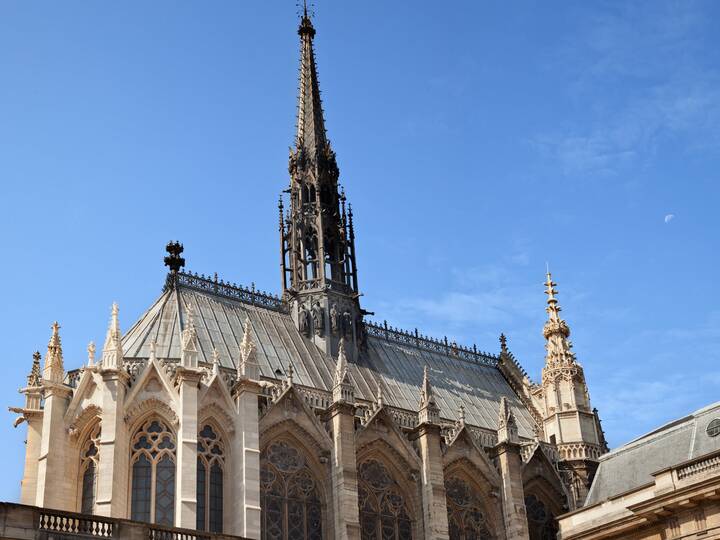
column 229, row 410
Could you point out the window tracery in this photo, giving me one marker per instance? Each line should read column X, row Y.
column 466, row 516
column 210, row 467
column 89, row 461
column 289, row 495
column 383, row 511
column 153, row 473
column 541, row 521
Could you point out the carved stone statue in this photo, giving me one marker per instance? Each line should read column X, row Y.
column 304, row 322
column 335, row 321
column 318, row 319
column 347, row 323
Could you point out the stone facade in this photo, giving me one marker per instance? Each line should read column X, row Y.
column 233, row 411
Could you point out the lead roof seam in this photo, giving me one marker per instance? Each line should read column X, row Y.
column 217, row 322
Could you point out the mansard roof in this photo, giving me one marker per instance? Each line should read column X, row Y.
column 632, row 465
column 393, row 360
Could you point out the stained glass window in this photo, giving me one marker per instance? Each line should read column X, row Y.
column 541, row 522
column 153, row 474
column 89, row 459
column 466, row 516
column 383, row 512
column 289, row 496
column 210, row 465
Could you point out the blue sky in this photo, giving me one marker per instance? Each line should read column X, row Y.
column 476, row 141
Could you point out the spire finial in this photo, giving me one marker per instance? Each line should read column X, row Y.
column 461, row 415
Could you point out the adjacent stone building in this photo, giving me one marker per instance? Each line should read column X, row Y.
column 663, row 485
column 226, row 409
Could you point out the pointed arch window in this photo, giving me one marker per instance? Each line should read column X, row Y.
column 153, row 474
column 210, row 467
column 541, row 522
column 383, row 510
column 89, row 461
column 289, row 495
column 466, row 516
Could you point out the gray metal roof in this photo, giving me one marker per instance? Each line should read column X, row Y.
column 632, row 465
column 396, row 367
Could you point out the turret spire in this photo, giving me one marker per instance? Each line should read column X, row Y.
column 556, row 330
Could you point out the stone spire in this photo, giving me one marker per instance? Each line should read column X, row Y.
column 112, row 357
column 54, row 370
column 342, row 389
column 429, row 410
column 556, row 331
column 189, row 353
column 34, row 378
column 310, row 135
column 248, row 367
column 507, row 426
column 319, row 272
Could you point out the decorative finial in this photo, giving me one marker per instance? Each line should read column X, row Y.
column 503, row 344
column 153, row 350
column 91, row 353
column 189, row 353
column 248, row 366
column 35, row 377
column 461, row 415
column 173, row 260
column 379, row 399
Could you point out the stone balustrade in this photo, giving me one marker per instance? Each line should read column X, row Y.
column 21, row 522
